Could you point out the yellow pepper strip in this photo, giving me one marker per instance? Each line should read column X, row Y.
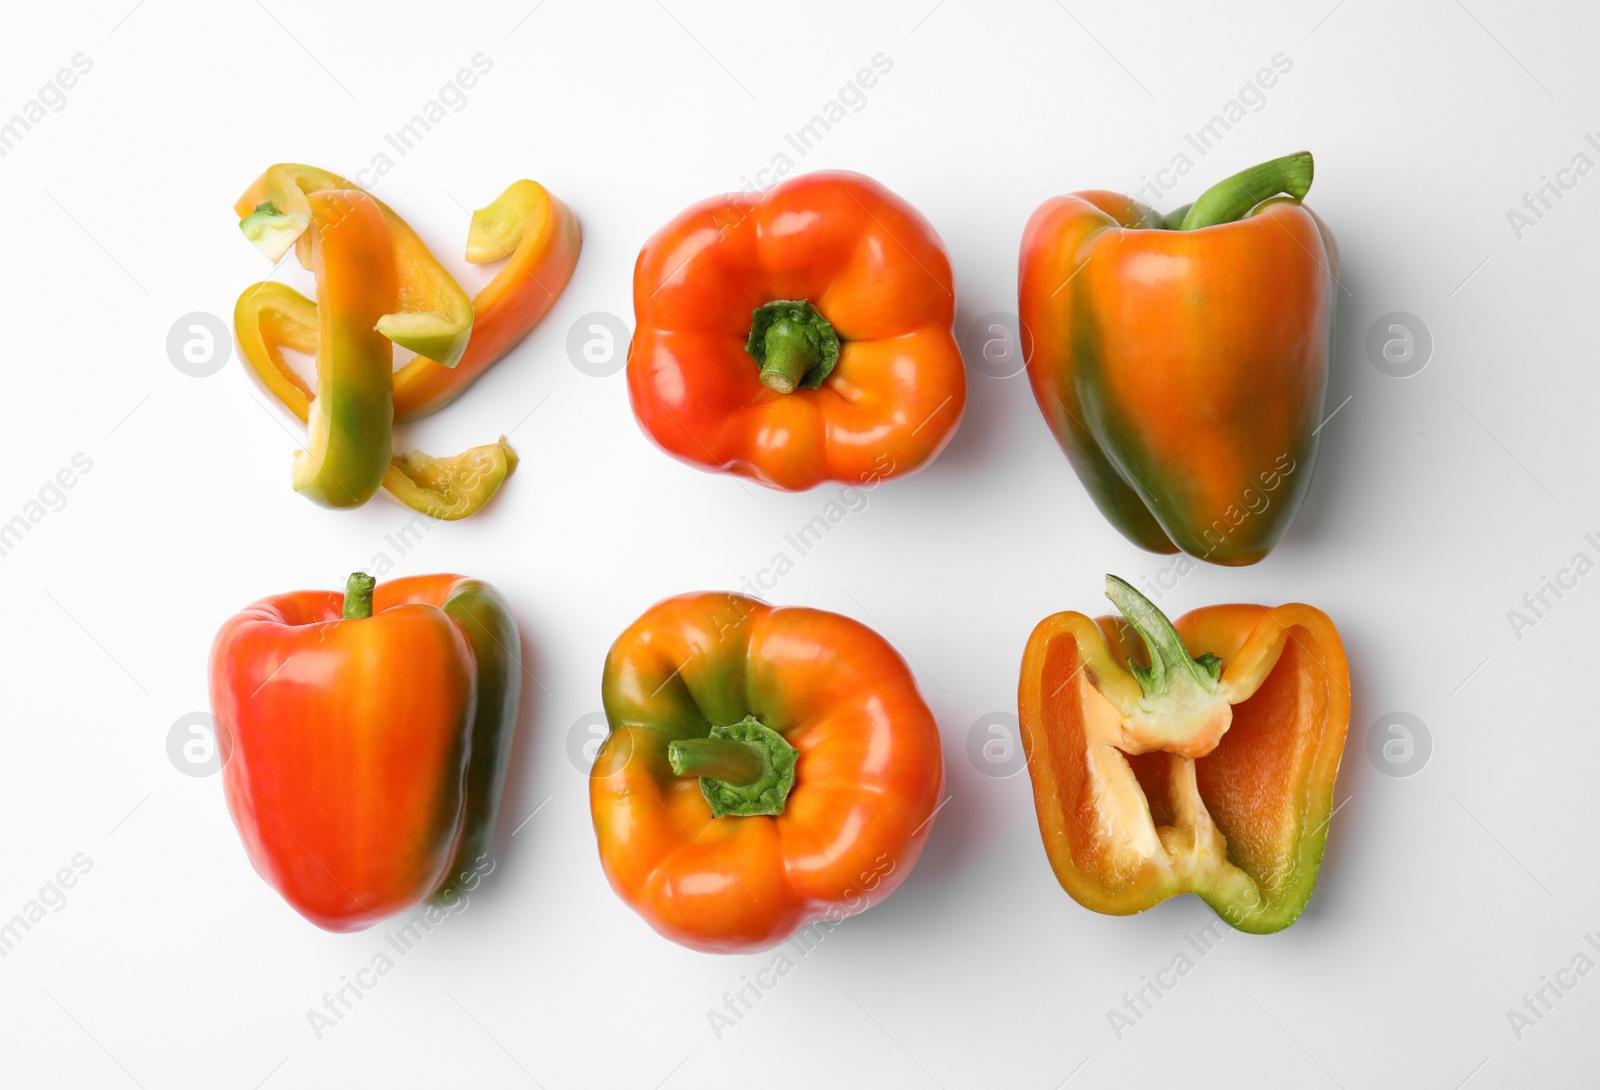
column 433, row 317
column 270, row 317
column 348, row 430
column 542, row 238
column 450, row 488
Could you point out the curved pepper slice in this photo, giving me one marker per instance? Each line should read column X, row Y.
column 766, row 768
column 1182, row 363
column 433, row 317
column 1211, row 775
column 367, row 739
column 540, row 235
column 348, row 428
column 800, row 337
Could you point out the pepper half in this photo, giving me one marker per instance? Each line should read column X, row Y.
column 799, row 337
column 1210, row 774
column 370, row 734
column 766, row 768
column 1182, row 362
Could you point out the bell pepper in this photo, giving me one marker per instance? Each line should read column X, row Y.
column 1182, row 362
column 526, row 223
column 1209, row 773
column 798, row 337
column 369, row 734
column 765, row 769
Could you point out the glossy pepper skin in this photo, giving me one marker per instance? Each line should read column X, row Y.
column 854, row 374
column 1182, row 363
column 857, row 743
column 1209, row 771
column 367, row 752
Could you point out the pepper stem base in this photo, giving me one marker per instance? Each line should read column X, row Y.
column 745, row 769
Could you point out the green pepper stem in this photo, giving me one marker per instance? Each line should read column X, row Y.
column 1231, row 198
column 794, row 345
column 745, row 770
column 1170, row 662
column 358, row 596
column 722, row 759
column 790, row 354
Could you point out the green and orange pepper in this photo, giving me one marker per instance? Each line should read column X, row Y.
column 766, row 768
column 366, row 738
column 798, row 337
column 1204, row 765
column 456, row 339
column 1182, row 361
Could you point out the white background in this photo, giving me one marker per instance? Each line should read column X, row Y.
column 1438, row 502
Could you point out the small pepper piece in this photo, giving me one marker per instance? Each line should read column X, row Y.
column 1182, row 362
column 1210, row 774
column 368, row 738
column 766, row 768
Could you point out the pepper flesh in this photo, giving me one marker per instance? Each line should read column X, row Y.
column 856, row 256
column 867, row 778
column 1183, row 371
column 1128, row 823
column 368, row 755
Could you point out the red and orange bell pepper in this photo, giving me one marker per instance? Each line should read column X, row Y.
column 1205, row 766
column 368, row 735
column 455, row 339
column 798, row 337
column 766, row 768
column 1182, row 362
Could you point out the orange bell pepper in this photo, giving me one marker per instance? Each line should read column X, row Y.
column 368, row 735
column 1211, row 775
column 798, row 337
column 766, row 768
column 1182, row 362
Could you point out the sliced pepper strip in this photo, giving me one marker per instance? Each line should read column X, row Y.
column 541, row 236
column 1229, row 797
column 433, row 317
column 270, row 317
column 348, row 428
